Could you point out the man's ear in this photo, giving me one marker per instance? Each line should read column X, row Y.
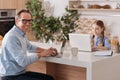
column 16, row 20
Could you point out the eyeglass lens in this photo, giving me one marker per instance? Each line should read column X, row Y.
column 25, row 21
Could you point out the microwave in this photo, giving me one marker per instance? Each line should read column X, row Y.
column 7, row 13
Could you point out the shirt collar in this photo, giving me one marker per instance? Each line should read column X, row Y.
column 19, row 31
column 97, row 37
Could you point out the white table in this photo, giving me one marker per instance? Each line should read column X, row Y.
column 97, row 68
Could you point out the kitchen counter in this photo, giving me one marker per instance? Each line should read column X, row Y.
column 97, row 67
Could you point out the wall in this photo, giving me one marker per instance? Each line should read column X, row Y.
column 59, row 6
column 110, row 18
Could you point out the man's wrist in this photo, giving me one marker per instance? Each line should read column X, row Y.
column 39, row 55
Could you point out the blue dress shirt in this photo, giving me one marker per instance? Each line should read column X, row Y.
column 106, row 43
column 14, row 58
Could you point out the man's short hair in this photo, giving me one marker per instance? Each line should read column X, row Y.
column 22, row 11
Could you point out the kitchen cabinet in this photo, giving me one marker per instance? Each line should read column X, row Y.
column 95, row 5
column 21, row 4
column 12, row 4
column 5, row 4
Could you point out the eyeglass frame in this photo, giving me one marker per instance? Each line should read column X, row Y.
column 25, row 21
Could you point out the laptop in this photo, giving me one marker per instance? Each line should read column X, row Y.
column 81, row 41
column 59, row 47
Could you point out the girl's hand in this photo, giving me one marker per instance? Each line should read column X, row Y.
column 96, row 48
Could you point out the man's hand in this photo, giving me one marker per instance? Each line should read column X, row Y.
column 48, row 52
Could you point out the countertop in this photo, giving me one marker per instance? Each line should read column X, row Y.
column 83, row 59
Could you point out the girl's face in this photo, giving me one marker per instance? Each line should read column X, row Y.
column 96, row 30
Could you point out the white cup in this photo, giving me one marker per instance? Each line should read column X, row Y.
column 74, row 51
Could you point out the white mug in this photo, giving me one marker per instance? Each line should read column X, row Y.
column 74, row 51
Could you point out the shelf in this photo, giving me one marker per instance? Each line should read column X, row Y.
column 95, row 0
column 95, row 5
column 82, row 9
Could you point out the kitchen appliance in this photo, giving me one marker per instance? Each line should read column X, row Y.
column 7, row 20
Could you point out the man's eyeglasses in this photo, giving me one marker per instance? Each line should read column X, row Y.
column 25, row 21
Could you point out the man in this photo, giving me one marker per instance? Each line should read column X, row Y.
column 14, row 57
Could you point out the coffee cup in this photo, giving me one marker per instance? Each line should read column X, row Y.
column 74, row 51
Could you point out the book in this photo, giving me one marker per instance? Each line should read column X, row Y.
column 104, row 53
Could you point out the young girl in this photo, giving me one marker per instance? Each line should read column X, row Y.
column 100, row 42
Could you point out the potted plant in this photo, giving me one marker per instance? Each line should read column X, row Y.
column 43, row 27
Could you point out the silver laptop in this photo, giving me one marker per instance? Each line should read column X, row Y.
column 47, row 45
column 81, row 41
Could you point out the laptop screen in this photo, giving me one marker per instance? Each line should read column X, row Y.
column 81, row 41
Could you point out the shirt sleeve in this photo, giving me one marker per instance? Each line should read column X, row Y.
column 31, row 48
column 14, row 48
column 106, row 43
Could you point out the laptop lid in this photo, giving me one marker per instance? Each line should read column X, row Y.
column 81, row 41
